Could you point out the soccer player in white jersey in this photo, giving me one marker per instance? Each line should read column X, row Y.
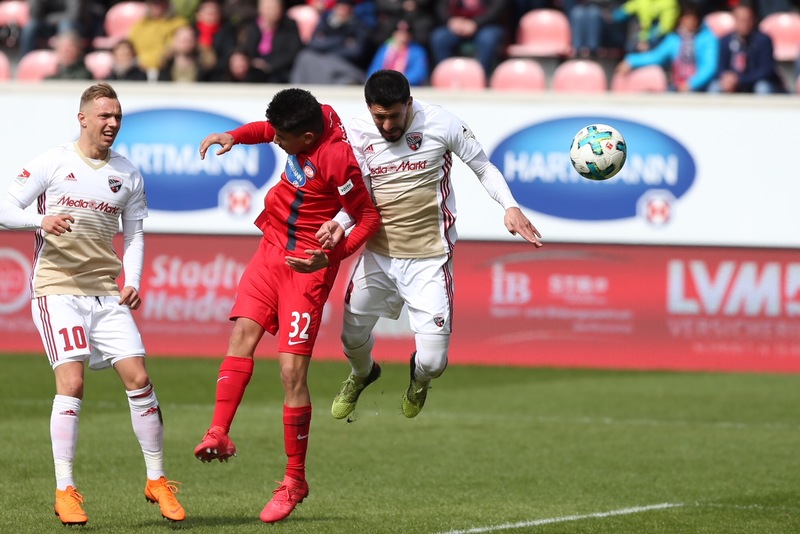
column 81, row 190
column 405, row 148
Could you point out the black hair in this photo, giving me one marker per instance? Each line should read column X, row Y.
column 295, row 111
column 386, row 88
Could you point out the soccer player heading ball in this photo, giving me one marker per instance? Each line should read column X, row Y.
column 405, row 147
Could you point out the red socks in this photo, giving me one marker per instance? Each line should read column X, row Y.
column 234, row 375
column 296, row 423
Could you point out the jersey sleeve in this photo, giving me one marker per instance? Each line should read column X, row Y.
column 32, row 181
column 136, row 207
column 356, row 201
column 460, row 139
column 253, row 133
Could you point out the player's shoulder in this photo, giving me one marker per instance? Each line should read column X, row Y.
column 121, row 163
column 435, row 117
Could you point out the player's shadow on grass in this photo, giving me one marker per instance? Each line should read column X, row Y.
column 217, row 521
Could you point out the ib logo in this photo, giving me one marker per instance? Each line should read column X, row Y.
column 15, row 271
column 535, row 161
column 164, row 144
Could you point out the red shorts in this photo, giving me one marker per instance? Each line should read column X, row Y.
column 282, row 300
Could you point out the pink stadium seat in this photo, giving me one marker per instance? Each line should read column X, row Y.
column 720, row 22
column 580, row 76
column 14, row 12
column 784, row 29
column 650, row 79
column 36, row 65
column 307, row 19
column 458, row 73
column 518, row 74
column 542, row 33
column 99, row 63
column 5, row 67
column 119, row 20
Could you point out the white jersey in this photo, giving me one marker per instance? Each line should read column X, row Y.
column 410, row 180
column 97, row 193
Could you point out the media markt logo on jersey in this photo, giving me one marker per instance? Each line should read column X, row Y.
column 164, row 144
column 535, row 161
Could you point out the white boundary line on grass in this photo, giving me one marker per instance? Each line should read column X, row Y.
column 564, row 519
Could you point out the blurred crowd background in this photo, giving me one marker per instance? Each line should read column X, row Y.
column 719, row 46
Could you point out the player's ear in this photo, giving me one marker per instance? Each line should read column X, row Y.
column 82, row 119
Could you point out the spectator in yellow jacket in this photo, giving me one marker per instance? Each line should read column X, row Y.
column 653, row 18
column 152, row 35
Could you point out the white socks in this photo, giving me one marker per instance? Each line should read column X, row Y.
column 357, row 342
column 431, row 356
column 149, row 429
column 64, row 437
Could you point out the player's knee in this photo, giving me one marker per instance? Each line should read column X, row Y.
column 433, row 367
column 355, row 332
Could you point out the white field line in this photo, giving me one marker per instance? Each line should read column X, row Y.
column 566, row 518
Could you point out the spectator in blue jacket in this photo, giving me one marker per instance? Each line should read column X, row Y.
column 746, row 63
column 691, row 53
column 402, row 54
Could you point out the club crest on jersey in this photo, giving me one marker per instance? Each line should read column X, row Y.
column 23, row 176
column 297, row 176
column 414, row 140
column 114, row 183
column 438, row 320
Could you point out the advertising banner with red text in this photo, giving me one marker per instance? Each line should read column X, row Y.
column 565, row 305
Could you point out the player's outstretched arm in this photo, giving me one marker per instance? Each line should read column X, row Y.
column 518, row 223
column 225, row 140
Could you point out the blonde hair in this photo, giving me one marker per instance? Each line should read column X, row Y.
column 98, row 90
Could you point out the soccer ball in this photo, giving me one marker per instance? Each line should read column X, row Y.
column 598, row 152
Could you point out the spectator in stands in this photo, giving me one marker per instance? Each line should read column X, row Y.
column 402, row 54
column 207, row 23
column 417, row 13
column 363, row 10
column 186, row 62
column 69, row 54
column 691, row 52
column 241, row 70
column 338, row 51
column 53, row 17
column 270, row 39
column 152, row 35
column 650, row 21
column 746, row 62
column 126, row 65
column 588, row 19
column 481, row 24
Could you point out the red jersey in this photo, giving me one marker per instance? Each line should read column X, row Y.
column 313, row 187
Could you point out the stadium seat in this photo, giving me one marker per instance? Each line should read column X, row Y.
column 784, row 29
column 36, row 65
column 650, row 79
column 542, row 32
column 118, row 22
column 14, row 13
column 721, row 23
column 99, row 63
column 5, row 67
column 518, row 74
column 580, row 76
column 307, row 19
column 458, row 73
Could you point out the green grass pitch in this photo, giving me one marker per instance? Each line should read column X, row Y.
column 495, row 450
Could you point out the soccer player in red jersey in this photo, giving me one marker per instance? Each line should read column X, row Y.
column 285, row 285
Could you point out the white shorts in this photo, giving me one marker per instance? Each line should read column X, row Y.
column 78, row 328
column 380, row 285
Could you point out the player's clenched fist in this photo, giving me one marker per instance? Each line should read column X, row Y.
column 57, row 224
